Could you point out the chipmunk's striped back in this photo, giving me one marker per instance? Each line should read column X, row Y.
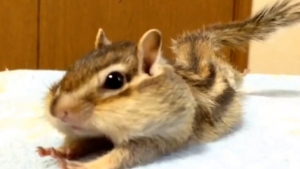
column 214, row 82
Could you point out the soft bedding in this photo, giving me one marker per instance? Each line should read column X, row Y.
column 269, row 137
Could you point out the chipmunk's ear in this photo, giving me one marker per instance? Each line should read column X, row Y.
column 101, row 39
column 149, row 50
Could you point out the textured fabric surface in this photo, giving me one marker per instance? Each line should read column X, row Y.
column 269, row 137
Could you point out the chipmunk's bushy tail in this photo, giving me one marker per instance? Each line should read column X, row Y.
column 238, row 34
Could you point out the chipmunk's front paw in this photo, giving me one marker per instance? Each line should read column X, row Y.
column 54, row 153
column 57, row 153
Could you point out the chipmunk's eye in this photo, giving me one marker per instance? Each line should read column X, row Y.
column 114, row 80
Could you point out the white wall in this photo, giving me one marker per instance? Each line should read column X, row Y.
column 280, row 54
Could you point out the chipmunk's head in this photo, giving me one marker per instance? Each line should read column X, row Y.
column 121, row 90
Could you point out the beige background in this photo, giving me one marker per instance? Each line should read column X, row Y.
column 280, row 54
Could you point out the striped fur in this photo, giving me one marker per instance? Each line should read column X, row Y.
column 214, row 82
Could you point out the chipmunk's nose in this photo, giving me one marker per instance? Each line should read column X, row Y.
column 62, row 115
column 61, row 108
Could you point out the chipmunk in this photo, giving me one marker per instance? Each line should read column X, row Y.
column 147, row 107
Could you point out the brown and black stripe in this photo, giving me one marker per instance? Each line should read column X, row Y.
column 200, row 69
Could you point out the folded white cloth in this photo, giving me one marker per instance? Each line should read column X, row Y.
column 269, row 137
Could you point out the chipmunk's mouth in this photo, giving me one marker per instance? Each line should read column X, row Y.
column 76, row 127
column 83, row 131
